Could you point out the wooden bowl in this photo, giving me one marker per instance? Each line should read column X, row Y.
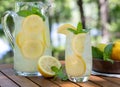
column 106, row 67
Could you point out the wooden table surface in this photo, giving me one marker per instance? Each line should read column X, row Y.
column 9, row 79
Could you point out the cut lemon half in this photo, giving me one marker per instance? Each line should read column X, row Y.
column 45, row 63
column 75, row 65
column 32, row 49
column 64, row 29
column 33, row 23
column 78, row 42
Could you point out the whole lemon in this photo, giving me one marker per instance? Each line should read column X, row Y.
column 101, row 46
column 116, row 51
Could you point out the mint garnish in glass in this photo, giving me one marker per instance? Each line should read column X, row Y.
column 79, row 29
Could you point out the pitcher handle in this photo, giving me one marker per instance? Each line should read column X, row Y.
column 6, row 29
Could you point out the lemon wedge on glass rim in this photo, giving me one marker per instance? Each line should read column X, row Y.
column 64, row 29
column 45, row 63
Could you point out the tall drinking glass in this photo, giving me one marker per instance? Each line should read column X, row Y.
column 78, row 57
column 31, row 38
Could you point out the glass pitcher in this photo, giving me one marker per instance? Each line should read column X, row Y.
column 31, row 38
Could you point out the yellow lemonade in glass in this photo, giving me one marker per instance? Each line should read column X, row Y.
column 78, row 56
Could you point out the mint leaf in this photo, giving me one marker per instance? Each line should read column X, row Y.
column 55, row 69
column 33, row 10
column 96, row 53
column 72, row 30
column 24, row 13
column 79, row 29
column 59, row 73
column 107, row 53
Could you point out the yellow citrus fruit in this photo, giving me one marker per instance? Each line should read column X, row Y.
column 19, row 39
column 64, row 29
column 75, row 65
column 32, row 49
column 101, row 46
column 33, row 23
column 45, row 63
column 78, row 42
column 116, row 51
column 45, row 38
column 22, row 37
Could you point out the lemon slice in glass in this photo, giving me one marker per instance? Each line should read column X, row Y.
column 33, row 23
column 75, row 65
column 78, row 42
column 32, row 49
column 45, row 63
column 64, row 29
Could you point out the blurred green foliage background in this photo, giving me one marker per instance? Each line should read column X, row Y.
column 101, row 16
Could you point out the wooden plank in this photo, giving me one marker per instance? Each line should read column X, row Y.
column 102, row 82
column 22, row 81
column 43, row 82
column 5, row 66
column 65, row 83
column 111, row 79
column 88, row 84
column 5, row 82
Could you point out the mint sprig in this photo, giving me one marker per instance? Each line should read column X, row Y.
column 79, row 29
column 33, row 10
column 96, row 53
column 107, row 53
column 59, row 73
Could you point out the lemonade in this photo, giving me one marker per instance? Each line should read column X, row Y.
column 31, row 36
column 78, row 56
column 30, row 44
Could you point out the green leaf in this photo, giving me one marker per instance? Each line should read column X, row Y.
column 79, row 27
column 96, row 53
column 107, row 53
column 59, row 73
column 24, row 13
column 72, row 30
column 55, row 69
column 33, row 10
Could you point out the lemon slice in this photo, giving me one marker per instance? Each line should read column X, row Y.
column 64, row 29
column 75, row 65
column 19, row 39
column 78, row 42
column 45, row 63
column 32, row 49
column 22, row 37
column 33, row 23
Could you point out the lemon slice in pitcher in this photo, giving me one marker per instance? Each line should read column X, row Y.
column 22, row 37
column 33, row 23
column 45, row 63
column 64, row 29
column 32, row 49
column 78, row 42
